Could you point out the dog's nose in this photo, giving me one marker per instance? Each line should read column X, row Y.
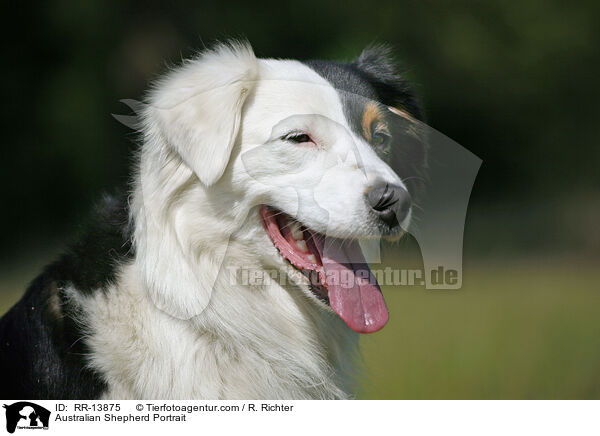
column 390, row 202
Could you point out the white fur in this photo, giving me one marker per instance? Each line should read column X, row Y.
column 173, row 325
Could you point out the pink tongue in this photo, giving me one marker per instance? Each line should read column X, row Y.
column 353, row 290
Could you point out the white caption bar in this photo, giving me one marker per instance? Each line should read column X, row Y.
column 301, row 417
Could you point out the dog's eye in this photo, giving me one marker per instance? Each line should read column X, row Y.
column 381, row 139
column 297, row 138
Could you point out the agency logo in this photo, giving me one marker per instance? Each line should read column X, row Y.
column 26, row 415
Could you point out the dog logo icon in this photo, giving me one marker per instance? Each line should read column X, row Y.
column 26, row 415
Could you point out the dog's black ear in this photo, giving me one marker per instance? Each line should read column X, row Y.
column 377, row 65
column 196, row 109
column 377, row 60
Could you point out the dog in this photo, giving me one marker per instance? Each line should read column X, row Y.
column 245, row 164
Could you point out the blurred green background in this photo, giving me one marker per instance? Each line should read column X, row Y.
column 515, row 83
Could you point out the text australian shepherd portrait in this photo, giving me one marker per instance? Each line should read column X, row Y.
column 244, row 163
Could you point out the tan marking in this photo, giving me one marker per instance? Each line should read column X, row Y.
column 370, row 115
column 395, row 238
column 401, row 113
column 415, row 127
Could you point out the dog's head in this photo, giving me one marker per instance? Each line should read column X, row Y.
column 321, row 154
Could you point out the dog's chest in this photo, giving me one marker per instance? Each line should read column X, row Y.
column 142, row 352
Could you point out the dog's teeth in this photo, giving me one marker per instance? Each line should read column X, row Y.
column 296, row 231
column 302, row 245
column 312, row 258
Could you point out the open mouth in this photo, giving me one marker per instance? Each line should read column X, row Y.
column 337, row 270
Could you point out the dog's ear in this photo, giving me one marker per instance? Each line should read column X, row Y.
column 377, row 65
column 197, row 108
column 190, row 125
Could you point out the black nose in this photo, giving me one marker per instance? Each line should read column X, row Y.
column 390, row 202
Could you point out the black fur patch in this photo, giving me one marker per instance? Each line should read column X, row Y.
column 42, row 342
column 106, row 242
column 374, row 77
